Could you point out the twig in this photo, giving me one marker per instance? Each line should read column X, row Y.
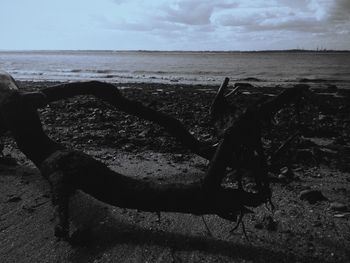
column 240, row 222
column 220, row 93
column 232, row 92
column 245, row 232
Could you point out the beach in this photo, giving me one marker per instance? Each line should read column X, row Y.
column 297, row 231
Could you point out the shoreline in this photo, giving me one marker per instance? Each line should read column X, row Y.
column 210, row 82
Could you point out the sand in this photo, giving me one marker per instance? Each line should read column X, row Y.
column 297, row 231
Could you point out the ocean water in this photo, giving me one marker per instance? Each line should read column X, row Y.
column 259, row 68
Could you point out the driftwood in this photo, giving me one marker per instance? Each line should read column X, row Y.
column 69, row 170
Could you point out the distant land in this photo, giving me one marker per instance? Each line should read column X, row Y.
column 240, row 51
column 189, row 51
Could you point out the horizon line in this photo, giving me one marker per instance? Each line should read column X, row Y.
column 193, row 51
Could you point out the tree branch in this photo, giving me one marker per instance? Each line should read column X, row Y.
column 68, row 170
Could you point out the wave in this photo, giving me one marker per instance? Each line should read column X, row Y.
column 98, row 71
column 155, row 72
column 124, row 76
column 102, row 71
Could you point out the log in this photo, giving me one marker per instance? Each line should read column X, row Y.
column 68, row 170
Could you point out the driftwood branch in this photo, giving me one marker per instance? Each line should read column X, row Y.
column 68, row 170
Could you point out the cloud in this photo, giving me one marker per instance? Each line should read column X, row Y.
column 167, row 15
column 149, row 26
column 312, row 16
column 176, row 24
column 119, row 1
column 197, row 12
column 340, row 11
column 235, row 20
column 255, row 15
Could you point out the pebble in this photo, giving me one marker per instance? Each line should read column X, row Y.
column 337, row 206
column 284, row 170
column 340, row 215
column 282, row 177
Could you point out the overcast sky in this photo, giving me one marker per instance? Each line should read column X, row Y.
column 175, row 24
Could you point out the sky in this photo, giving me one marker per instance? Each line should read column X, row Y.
column 174, row 24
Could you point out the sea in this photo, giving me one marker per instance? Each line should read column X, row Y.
column 207, row 68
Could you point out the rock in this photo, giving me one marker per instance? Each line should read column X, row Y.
column 341, row 215
column 144, row 133
column 285, row 174
column 284, row 170
column 337, row 206
column 312, row 196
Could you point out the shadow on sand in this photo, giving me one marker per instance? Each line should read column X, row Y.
column 96, row 242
